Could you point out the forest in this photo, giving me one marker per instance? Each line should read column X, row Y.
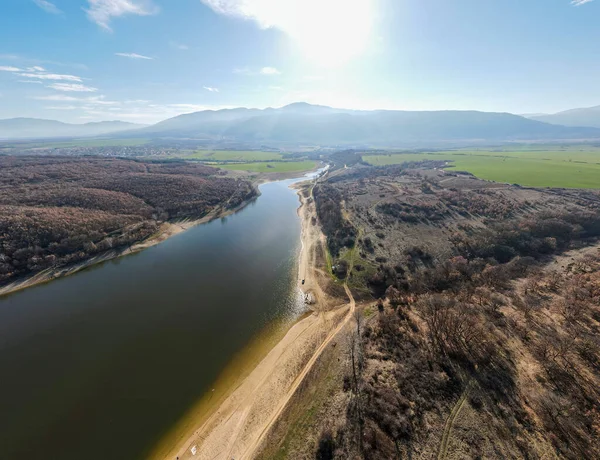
column 56, row 211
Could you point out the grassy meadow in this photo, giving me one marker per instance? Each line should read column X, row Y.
column 234, row 155
column 266, row 167
column 566, row 167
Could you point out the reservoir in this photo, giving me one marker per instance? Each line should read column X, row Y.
column 101, row 364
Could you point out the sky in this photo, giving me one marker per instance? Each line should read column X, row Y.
column 147, row 60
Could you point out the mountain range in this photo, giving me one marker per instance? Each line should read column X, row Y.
column 575, row 117
column 305, row 124
column 32, row 128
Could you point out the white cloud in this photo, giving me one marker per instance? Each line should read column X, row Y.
column 51, row 76
column 211, row 89
column 72, row 87
column 47, row 6
column 179, row 46
column 328, row 31
column 580, row 2
column 90, row 100
column 133, row 56
column 56, row 97
column 36, row 68
column 5, row 68
column 100, row 100
column 188, row 107
column 263, row 71
column 62, row 107
column 269, row 71
column 103, row 11
column 31, row 81
column 242, row 70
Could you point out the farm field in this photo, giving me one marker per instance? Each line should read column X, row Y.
column 536, row 168
column 234, row 155
column 262, row 167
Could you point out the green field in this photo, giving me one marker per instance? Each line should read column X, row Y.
column 81, row 143
column 266, row 167
column 234, row 155
column 568, row 168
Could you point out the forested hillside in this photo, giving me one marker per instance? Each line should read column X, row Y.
column 479, row 329
column 58, row 211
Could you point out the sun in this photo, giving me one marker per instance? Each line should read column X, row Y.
column 329, row 32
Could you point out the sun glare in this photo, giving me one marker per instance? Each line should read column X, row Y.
column 329, row 32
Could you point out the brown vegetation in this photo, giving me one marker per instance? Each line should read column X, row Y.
column 484, row 341
column 58, row 211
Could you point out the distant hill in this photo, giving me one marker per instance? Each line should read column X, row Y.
column 589, row 117
column 316, row 125
column 307, row 124
column 31, row 128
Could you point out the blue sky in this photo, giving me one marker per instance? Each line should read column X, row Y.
column 147, row 60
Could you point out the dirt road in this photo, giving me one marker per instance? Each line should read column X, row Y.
column 281, row 406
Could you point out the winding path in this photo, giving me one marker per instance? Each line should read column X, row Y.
column 450, row 421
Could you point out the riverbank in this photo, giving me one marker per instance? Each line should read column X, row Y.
column 166, row 230
column 238, row 426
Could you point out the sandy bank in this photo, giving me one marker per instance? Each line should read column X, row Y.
column 238, row 426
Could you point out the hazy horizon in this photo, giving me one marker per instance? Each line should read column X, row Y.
column 144, row 61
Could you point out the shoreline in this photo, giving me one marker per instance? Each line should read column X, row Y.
column 238, row 424
column 166, row 231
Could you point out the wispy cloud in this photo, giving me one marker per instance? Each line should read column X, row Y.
column 328, row 30
column 57, row 98
column 103, row 11
column 242, row 70
column 36, row 68
column 4, row 68
column 100, row 100
column 37, row 82
column 133, row 56
column 179, row 46
column 47, row 6
column 72, row 87
column 263, row 71
column 51, row 76
column 211, row 89
column 62, row 107
column 580, row 2
column 90, row 100
column 269, row 71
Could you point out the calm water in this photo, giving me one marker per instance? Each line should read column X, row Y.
column 100, row 364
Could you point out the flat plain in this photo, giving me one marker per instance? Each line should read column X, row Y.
column 276, row 166
column 568, row 167
column 234, row 155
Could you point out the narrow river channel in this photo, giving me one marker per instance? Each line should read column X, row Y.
column 101, row 364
